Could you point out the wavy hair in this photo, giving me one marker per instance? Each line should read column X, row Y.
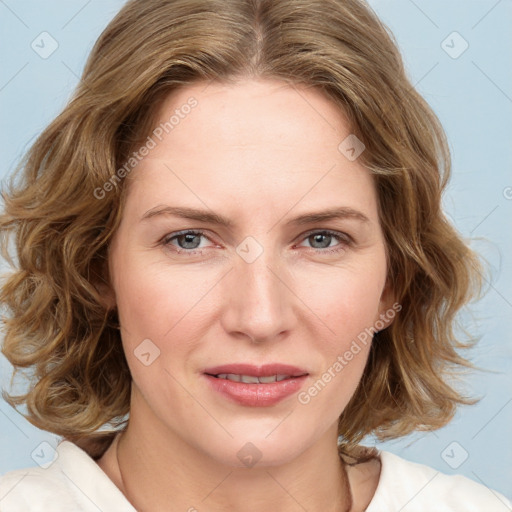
column 61, row 220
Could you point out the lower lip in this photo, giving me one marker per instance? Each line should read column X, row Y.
column 256, row 395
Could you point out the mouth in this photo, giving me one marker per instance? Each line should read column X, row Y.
column 256, row 385
column 253, row 379
column 251, row 374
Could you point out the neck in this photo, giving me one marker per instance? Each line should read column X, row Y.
column 172, row 476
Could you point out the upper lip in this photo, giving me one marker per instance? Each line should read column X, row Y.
column 265, row 370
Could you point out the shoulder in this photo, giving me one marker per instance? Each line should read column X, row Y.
column 412, row 487
column 73, row 481
column 19, row 488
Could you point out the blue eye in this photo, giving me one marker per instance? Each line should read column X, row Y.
column 188, row 242
column 186, row 238
column 318, row 236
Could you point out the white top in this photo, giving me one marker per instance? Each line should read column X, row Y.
column 75, row 483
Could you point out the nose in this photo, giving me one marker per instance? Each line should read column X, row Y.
column 259, row 299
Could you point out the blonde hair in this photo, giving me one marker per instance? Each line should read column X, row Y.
column 57, row 325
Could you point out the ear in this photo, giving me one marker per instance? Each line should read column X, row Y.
column 388, row 307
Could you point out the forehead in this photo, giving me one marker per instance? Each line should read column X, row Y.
column 253, row 142
column 250, row 113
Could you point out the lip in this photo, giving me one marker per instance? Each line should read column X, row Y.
column 265, row 370
column 256, row 395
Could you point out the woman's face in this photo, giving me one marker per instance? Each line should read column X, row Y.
column 275, row 284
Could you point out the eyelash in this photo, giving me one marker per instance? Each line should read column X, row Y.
column 340, row 237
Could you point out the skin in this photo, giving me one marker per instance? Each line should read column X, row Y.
column 260, row 153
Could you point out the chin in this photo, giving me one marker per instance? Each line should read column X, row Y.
column 256, row 448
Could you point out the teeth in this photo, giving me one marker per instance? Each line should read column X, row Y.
column 251, row 379
column 266, row 380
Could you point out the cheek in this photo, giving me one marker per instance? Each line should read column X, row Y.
column 151, row 298
column 347, row 306
column 346, row 302
column 162, row 305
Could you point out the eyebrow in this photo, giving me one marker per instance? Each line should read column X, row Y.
column 214, row 218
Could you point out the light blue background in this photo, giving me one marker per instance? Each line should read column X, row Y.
column 472, row 95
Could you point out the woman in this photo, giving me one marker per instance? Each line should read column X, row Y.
column 233, row 266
